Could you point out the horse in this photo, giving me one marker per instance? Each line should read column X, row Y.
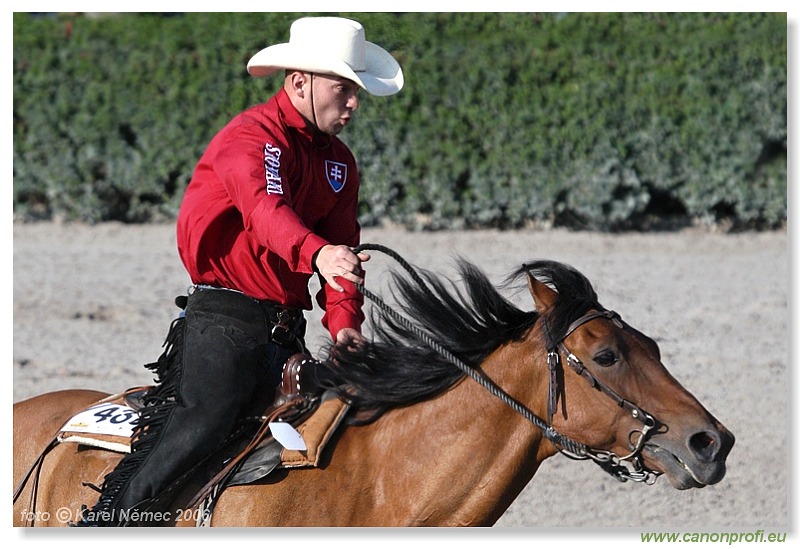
column 458, row 397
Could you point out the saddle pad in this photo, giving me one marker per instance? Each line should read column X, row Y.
column 107, row 424
column 316, row 432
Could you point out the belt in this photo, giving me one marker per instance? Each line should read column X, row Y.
column 284, row 321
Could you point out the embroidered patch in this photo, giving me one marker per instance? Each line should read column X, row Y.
column 272, row 166
column 336, row 172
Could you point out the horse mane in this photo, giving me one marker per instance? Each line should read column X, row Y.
column 470, row 319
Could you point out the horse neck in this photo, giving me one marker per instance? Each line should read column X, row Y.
column 471, row 435
column 522, row 374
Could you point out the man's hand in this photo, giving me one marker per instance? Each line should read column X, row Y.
column 350, row 338
column 339, row 261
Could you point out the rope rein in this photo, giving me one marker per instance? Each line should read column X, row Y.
column 608, row 461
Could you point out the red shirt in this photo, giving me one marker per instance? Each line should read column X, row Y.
column 265, row 196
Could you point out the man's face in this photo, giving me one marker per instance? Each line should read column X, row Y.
column 334, row 100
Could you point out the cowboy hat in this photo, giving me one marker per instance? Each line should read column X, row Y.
column 332, row 45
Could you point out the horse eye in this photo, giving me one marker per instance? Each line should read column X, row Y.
column 606, row 359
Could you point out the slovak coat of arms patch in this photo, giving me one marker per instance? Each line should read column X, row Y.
column 336, row 172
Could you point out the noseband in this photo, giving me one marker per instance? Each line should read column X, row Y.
column 627, row 467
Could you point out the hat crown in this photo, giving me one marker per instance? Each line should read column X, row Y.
column 339, row 38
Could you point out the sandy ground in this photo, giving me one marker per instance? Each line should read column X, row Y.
column 92, row 304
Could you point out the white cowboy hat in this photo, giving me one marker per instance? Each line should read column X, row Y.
column 332, row 45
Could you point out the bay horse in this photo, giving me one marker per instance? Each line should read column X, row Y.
column 459, row 400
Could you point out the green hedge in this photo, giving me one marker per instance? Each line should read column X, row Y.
column 597, row 121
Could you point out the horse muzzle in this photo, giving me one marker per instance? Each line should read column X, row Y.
column 691, row 461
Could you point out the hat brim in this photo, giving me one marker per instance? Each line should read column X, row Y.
column 382, row 75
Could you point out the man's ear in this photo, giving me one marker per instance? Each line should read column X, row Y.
column 295, row 83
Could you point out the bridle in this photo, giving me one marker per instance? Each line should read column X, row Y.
column 629, row 466
column 623, row 468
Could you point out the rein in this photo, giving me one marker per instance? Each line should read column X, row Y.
column 624, row 468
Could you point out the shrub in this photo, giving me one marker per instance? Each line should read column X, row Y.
column 597, row 121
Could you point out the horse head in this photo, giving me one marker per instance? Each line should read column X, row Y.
column 610, row 391
column 599, row 382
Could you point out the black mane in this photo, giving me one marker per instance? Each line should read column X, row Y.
column 470, row 319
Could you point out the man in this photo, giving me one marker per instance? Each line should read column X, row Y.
column 272, row 201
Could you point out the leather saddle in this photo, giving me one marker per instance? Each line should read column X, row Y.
column 304, row 399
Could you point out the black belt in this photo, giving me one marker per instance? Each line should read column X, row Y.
column 284, row 321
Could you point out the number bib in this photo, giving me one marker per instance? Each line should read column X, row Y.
column 104, row 419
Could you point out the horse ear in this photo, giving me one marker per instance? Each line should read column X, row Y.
column 543, row 295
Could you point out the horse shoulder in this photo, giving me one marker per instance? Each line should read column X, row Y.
column 36, row 422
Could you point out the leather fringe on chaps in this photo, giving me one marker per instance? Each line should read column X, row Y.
column 158, row 403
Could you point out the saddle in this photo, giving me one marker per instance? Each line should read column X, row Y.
column 293, row 432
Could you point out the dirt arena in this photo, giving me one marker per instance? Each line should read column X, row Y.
column 92, row 304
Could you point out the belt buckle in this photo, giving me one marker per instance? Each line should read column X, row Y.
column 281, row 332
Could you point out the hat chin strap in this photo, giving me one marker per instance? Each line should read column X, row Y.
column 313, row 107
column 317, row 131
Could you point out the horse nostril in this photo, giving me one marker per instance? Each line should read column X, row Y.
column 704, row 445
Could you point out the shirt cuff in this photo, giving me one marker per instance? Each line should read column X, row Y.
column 343, row 309
column 310, row 246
